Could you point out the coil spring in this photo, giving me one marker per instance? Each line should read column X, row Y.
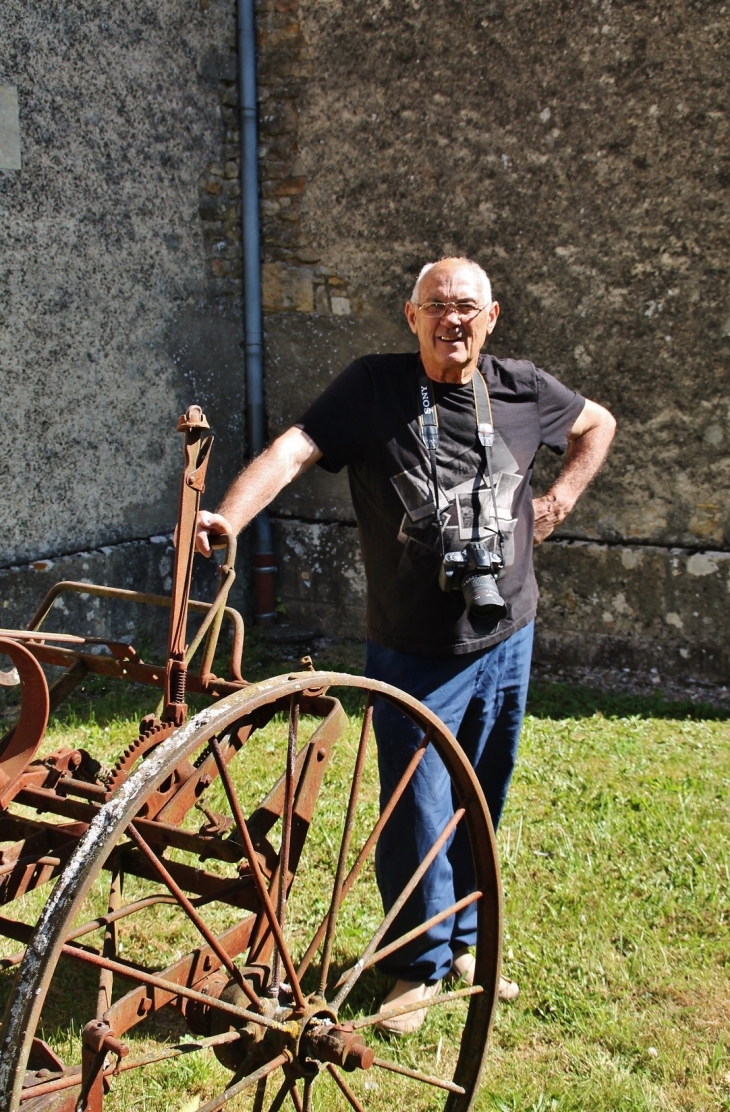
column 177, row 685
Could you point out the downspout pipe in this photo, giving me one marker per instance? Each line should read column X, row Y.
column 263, row 557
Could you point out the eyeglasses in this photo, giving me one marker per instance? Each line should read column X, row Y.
column 466, row 310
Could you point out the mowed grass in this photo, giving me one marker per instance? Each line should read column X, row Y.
column 614, row 854
column 616, row 874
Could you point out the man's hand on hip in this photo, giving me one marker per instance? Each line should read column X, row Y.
column 549, row 513
column 588, row 443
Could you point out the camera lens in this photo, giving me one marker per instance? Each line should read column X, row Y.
column 482, row 598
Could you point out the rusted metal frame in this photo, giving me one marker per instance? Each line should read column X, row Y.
column 153, row 830
column 307, row 1102
column 109, row 945
column 57, row 692
column 213, row 620
column 237, row 891
column 345, row 845
column 245, row 1083
column 368, row 846
column 21, row 745
column 54, row 839
column 92, row 1078
column 21, row 932
column 21, row 828
column 345, row 1088
column 197, row 921
column 153, row 981
column 188, row 793
column 27, row 878
column 310, row 773
column 196, row 450
column 326, row 734
column 72, row 1077
column 146, row 599
column 69, row 785
column 404, row 1009
column 153, row 675
column 193, row 970
column 285, row 846
column 416, row 1075
column 404, row 939
column 256, row 870
column 398, row 906
column 23, row 862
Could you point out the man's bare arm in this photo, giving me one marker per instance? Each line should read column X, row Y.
column 258, row 484
column 588, row 444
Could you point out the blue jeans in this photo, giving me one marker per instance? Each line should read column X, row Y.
column 481, row 698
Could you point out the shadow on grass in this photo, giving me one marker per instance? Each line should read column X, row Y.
column 562, row 700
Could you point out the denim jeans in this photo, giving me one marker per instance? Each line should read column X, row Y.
column 481, row 698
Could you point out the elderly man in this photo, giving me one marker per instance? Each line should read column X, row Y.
column 439, row 446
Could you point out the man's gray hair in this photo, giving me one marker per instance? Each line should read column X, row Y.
column 486, row 284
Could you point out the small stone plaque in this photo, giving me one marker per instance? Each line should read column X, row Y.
column 9, row 128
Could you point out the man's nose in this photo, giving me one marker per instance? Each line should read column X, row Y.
column 451, row 314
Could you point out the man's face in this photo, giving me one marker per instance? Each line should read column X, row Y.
column 449, row 345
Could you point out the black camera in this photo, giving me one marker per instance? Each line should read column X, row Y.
column 474, row 571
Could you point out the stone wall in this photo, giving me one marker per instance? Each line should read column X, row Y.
column 580, row 153
column 120, row 282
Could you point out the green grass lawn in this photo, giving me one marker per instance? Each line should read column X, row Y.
column 614, row 852
column 615, row 868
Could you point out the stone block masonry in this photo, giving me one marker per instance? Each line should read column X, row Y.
column 577, row 152
column 134, row 565
column 613, row 606
column 296, row 276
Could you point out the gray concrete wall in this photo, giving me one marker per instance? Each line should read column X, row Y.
column 580, row 153
column 120, row 278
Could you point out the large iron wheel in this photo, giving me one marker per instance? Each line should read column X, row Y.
column 279, row 979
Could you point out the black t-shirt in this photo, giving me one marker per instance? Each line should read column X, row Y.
column 367, row 420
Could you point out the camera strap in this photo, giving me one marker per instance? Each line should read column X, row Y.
column 428, row 423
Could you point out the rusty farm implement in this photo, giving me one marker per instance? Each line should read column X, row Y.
column 174, row 876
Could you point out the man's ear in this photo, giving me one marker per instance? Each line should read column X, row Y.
column 410, row 312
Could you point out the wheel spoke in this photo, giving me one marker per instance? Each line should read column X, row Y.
column 258, row 1102
column 404, row 1009
column 259, row 881
column 350, row 1096
column 397, row 907
column 281, row 1095
column 368, row 846
column 245, row 1083
column 345, row 845
column 286, row 821
column 220, row 951
column 404, row 939
column 255, row 885
column 426, row 1078
column 293, row 1091
column 172, row 987
column 69, row 1080
column 109, row 947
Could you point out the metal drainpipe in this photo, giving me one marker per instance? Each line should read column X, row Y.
column 263, row 559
